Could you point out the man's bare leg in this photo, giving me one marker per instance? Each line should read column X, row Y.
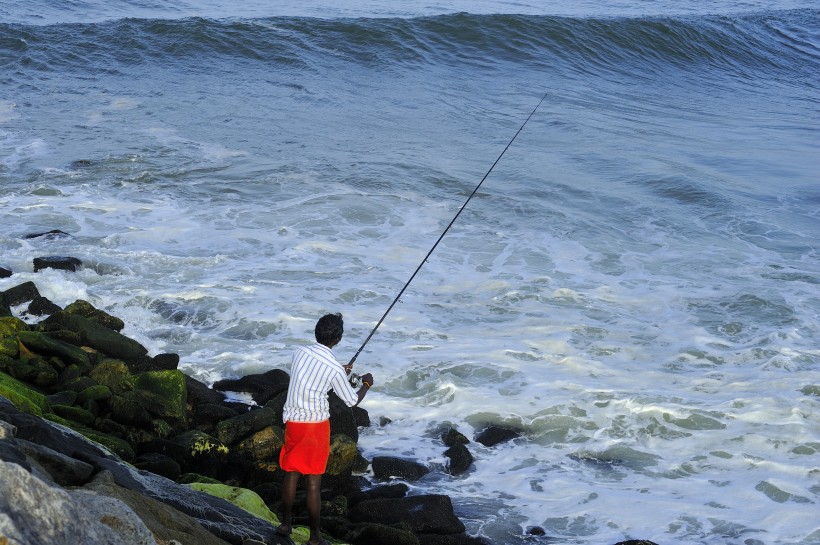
column 289, row 484
column 313, row 485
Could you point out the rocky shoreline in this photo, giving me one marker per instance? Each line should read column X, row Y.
column 101, row 443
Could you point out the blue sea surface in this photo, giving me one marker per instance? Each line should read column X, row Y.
column 635, row 286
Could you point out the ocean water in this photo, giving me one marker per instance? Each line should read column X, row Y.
column 635, row 286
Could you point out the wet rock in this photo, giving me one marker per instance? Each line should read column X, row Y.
column 63, row 263
column 100, row 337
column 460, row 459
column 48, row 235
column 493, row 435
column 452, row 436
column 87, row 310
column 21, row 293
column 5, row 272
column 41, row 306
column 388, row 467
column 424, row 514
column 275, row 379
column 395, row 490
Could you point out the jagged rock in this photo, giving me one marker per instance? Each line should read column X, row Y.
column 425, row 514
column 241, row 426
column 452, row 437
column 100, row 337
column 42, row 306
column 20, row 294
column 493, row 435
column 388, row 467
column 63, row 263
column 5, row 272
column 36, row 512
column 199, row 393
column 460, row 459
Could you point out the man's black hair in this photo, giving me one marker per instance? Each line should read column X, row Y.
column 329, row 329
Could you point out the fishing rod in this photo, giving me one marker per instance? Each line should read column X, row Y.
column 349, row 366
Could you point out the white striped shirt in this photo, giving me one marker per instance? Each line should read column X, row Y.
column 313, row 373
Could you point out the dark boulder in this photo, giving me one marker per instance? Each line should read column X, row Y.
column 396, row 490
column 275, row 379
column 388, row 467
column 158, row 464
column 62, row 263
column 493, row 435
column 87, row 310
column 100, row 337
column 5, row 272
column 425, row 514
column 48, row 235
column 42, row 306
column 20, row 293
column 451, row 437
column 239, row 427
column 460, row 459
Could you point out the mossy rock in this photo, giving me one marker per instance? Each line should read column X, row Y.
column 35, row 371
column 98, row 392
column 10, row 326
column 74, row 414
column 118, row 446
column 246, row 499
column 40, row 343
column 188, row 478
column 23, row 397
column 263, row 445
column 9, row 346
column 199, row 445
column 113, row 373
column 342, row 455
column 129, row 408
column 168, row 392
column 87, row 310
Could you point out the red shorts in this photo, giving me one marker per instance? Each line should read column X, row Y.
column 307, row 447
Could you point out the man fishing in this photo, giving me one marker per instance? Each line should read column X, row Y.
column 314, row 372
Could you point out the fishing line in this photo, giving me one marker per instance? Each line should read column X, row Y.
column 463, row 206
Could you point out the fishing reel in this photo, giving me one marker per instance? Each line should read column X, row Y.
column 355, row 380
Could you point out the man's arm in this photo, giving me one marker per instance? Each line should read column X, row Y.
column 367, row 382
